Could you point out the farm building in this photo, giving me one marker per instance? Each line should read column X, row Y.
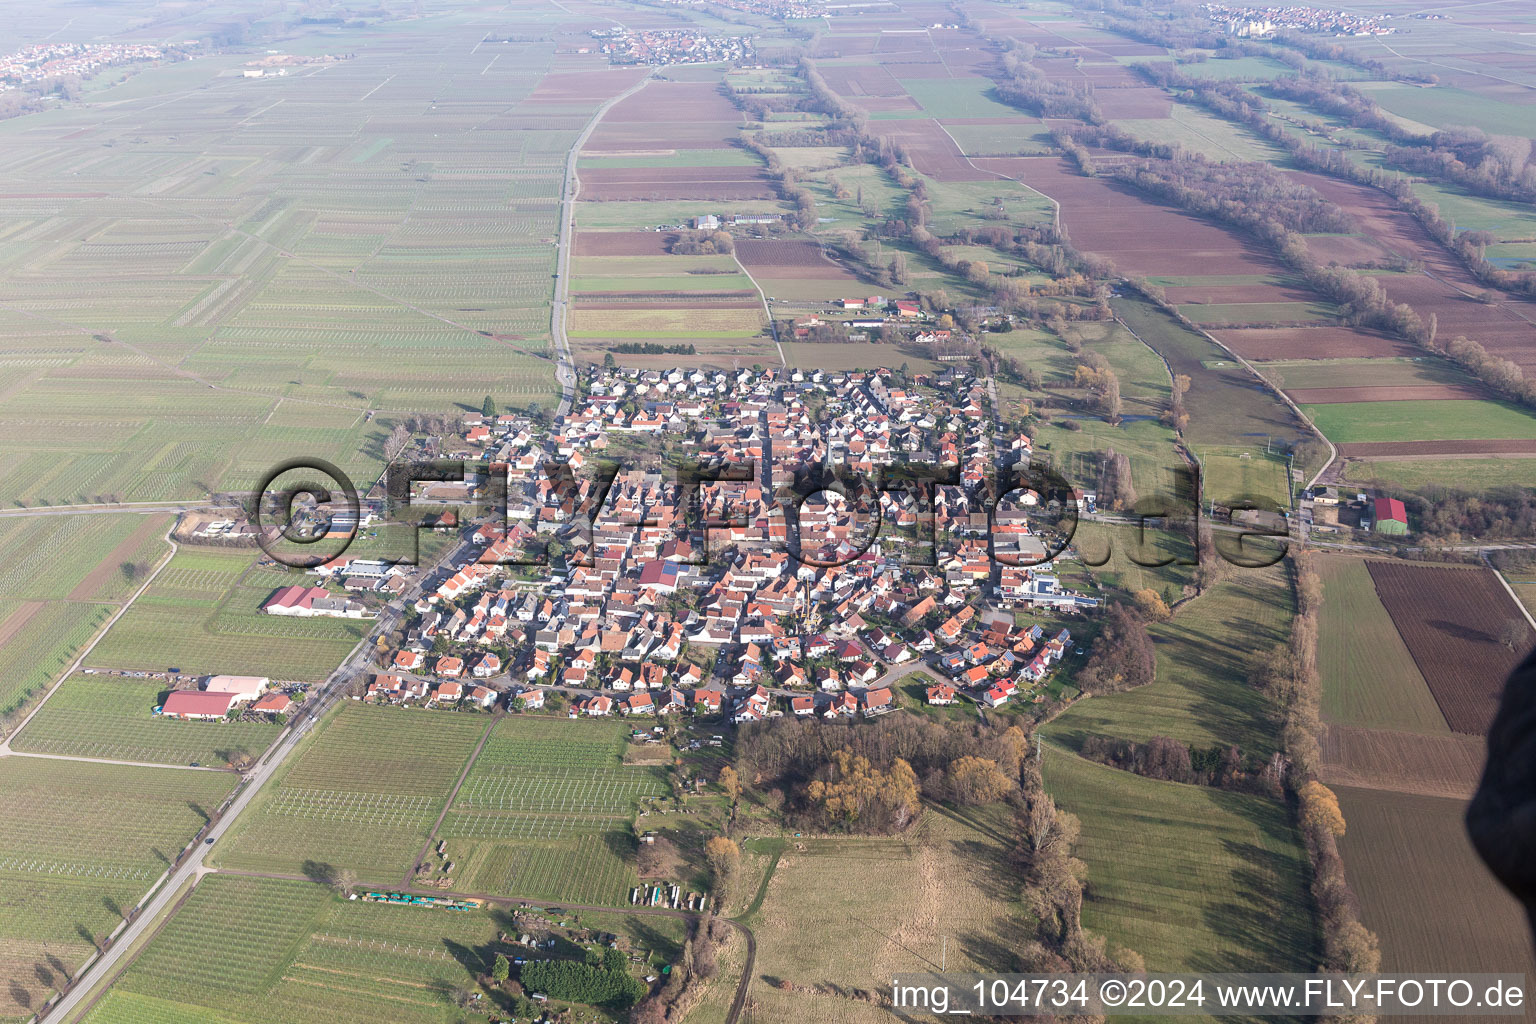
column 1391, row 517
column 309, row 602
column 241, row 688
column 198, row 704
column 273, row 703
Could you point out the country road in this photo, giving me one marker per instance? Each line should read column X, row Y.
column 191, row 863
column 565, row 372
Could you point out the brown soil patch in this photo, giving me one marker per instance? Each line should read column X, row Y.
column 1389, row 449
column 932, row 151
column 1312, row 343
column 1345, row 250
column 152, row 525
column 1140, row 237
column 1406, row 393
column 621, row 243
column 1404, row 762
column 1213, row 294
column 14, row 622
column 584, row 86
column 1451, row 618
column 686, row 102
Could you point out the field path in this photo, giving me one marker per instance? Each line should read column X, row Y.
column 5, row 745
column 452, row 796
column 559, row 305
column 763, row 296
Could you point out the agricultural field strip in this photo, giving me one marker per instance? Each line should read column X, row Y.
column 372, row 808
column 34, row 865
column 571, row 790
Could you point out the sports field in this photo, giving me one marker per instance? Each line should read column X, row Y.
column 93, row 716
column 1192, row 878
column 203, row 614
column 80, row 845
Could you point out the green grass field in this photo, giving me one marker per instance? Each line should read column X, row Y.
column 91, row 716
column 80, row 845
column 202, row 615
column 1201, row 693
column 1206, row 134
column 1231, row 472
column 1439, row 419
column 1192, row 878
column 1368, row 676
column 1443, row 106
column 361, row 794
column 1341, row 373
column 1461, row 474
column 957, row 97
column 1232, row 314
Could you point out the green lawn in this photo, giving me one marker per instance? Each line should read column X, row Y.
column 1192, row 878
column 1439, row 419
column 1201, row 694
column 1368, row 676
column 957, row 97
column 1462, row 474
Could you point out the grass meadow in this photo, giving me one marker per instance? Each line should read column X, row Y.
column 1201, row 694
column 1190, row 877
column 1437, row 419
column 1368, row 676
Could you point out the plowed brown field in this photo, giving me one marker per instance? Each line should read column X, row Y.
column 1451, row 619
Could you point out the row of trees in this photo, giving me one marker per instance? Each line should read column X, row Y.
column 1167, row 759
column 1288, row 675
column 1366, row 303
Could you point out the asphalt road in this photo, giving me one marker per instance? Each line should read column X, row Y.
column 565, row 372
column 191, row 864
